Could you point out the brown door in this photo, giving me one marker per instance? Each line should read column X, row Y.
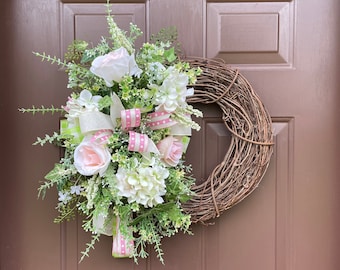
column 288, row 50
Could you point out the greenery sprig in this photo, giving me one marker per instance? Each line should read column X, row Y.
column 41, row 110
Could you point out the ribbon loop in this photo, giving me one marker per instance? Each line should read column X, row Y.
column 101, row 136
column 138, row 142
column 141, row 143
column 130, row 118
column 94, row 121
column 159, row 120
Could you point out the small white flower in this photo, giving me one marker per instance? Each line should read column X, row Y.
column 76, row 106
column 64, row 197
column 76, row 190
column 155, row 71
column 87, row 101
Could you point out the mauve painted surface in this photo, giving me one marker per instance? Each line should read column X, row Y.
column 289, row 223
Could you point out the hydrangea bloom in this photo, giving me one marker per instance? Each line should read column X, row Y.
column 173, row 91
column 144, row 185
column 86, row 102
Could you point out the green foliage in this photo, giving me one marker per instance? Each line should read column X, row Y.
column 51, row 59
column 118, row 36
column 89, row 246
column 75, row 51
column 58, row 176
column 102, row 48
column 164, row 220
column 48, row 139
column 167, row 35
column 41, row 110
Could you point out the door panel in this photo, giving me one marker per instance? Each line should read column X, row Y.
column 251, row 34
column 288, row 50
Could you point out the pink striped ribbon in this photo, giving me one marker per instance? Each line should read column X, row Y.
column 138, row 142
column 130, row 118
column 121, row 246
column 159, row 120
column 101, row 136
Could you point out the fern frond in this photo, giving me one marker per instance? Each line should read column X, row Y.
column 47, row 139
column 33, row 110
column 51, row 59
column 66, row 214
column 89, row 246
column 57, row 176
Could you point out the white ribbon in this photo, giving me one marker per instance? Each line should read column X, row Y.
column 115, row 108
column 93, row 121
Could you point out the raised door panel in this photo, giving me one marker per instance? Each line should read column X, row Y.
column 88, row 22
column 257, row 233
column 251, row 34
column 187, row 16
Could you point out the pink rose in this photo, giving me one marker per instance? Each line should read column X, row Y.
column 171, row 150
column 114, row 66
column 91, row 158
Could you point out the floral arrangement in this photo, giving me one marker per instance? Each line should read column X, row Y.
column 125, row 131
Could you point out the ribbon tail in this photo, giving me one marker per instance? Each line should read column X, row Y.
column 122, row 246
column 141, row 143
column 180, row 130
column 103, row 224
column 152, row 148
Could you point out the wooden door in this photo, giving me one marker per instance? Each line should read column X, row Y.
column 288, row 50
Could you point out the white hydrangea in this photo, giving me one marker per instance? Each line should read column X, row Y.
column 173, row 91
column 144, row 185
column 84, row 103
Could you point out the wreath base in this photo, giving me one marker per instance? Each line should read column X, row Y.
column 251, row 147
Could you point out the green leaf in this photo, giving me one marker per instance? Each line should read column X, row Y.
column 56, row 173
column 170, row 55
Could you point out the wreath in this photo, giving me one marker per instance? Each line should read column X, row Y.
column 125, row 129
column 251, row 147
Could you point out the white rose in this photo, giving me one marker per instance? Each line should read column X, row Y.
column 91, row 158
column 114, row 66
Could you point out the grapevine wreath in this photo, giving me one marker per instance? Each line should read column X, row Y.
column 251, row 146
